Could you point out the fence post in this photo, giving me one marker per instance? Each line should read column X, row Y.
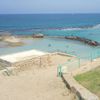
column 59, row 71
column 91, row 57
column 79, row 62
column 40, row 62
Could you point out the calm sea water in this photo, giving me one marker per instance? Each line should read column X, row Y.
column 83, row 25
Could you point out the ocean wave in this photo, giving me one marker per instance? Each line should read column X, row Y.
column 82, row 28
column 96, row 26
column 71, row 29
column 42, row 29
column 47, row 29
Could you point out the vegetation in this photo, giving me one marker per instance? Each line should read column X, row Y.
column 90, row 80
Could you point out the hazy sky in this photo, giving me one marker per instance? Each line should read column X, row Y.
column 49, row 6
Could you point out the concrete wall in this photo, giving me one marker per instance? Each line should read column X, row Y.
column 79, row 90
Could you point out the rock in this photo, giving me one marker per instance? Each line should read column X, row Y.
column 11, row 39
column 38, row 35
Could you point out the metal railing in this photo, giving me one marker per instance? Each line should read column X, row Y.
column 77, row 62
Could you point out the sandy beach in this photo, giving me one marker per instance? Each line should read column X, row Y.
column 36, row 83
column 49, row 49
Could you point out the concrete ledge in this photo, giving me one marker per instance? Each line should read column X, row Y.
column 78, row 89
column 4, row 63
column 7, row 71
column 65, row 54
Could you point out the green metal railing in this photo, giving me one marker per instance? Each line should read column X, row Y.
column 68, row 66
column 59, row 71
column 77, row 62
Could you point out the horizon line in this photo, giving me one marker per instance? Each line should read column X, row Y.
column 44, row 13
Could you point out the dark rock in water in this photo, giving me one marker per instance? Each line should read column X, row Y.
column 84, row 40
column 95, row 43
column 38, row 35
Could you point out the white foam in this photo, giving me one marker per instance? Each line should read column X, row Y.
column 96, row 26
column 71, row 29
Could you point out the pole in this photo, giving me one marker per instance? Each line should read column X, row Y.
column 40, row 62
column 79, row 62
column 91, row 57
column 59, row 71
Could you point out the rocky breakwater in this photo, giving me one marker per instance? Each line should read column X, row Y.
column 84, row 40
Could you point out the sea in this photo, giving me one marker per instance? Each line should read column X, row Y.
column 82, row 25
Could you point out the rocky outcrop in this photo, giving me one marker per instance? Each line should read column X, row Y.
column 84, row 40
column 11, row 39
column 38, row 35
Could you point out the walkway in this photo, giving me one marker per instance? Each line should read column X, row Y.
column 39, row 84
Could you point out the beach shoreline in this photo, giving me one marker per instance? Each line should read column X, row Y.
column 16, row 40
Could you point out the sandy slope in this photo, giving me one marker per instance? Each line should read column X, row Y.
column 39, row 84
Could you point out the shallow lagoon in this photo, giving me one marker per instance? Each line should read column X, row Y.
column 55, row 44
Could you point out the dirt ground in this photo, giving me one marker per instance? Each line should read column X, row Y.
column 36, row 84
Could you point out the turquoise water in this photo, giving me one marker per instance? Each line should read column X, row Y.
column 54, row 44
column 83, row 25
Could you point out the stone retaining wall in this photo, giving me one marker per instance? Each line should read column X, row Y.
column 41, row 61
column 79, row 90
column 36, row 62
column 4, row 63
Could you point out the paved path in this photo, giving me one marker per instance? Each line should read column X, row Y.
column 87, row 67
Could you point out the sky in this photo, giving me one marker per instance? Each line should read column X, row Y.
column 49, row 6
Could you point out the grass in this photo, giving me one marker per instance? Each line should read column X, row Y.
column 91, row 80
